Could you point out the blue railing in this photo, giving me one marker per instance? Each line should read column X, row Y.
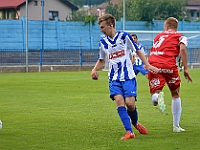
column 65, row 57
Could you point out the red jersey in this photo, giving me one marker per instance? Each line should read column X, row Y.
column 165, row 48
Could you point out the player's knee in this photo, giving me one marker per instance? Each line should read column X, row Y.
column 175, row 94
column 130, row 106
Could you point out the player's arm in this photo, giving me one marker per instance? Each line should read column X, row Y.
column 146, row 56
column 99, row 63
column 144, row 51
column 183, row 52
column 97, row 67
column 146, row 63
column 142, row 57
column 133, row 59
column 133, row 55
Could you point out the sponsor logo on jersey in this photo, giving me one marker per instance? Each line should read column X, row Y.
column 154, row 83
column 173, row 80
column 116, row 54
column 157, row 53
column 166, row 71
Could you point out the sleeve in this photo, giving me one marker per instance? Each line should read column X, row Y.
column 184, row 40
column 101, row 51
column 131, row 44
column 132, row 53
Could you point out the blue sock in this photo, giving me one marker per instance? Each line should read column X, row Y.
column 134, row 116
column 124, row 118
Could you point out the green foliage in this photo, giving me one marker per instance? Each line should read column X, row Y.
column 145, row 10
column 91, row 19
column 81, row 15
column 77, row 16
column 13, row 14
column 3, row 14
column 69, row 111
column 198, row 20
column 148, row 24
column 114, row 10
column 87, row 2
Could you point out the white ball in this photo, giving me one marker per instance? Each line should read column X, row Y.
column 1, row 124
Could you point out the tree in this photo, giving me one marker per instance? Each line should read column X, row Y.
column 113, row 9
column 77, row 16
column 172, row 8
column 90, row 19
column 87, row 2
column 145, row 10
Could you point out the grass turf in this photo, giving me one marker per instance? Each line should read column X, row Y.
column 69, row 111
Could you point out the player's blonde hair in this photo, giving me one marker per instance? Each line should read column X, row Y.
column 110, row 19
column 172, row 23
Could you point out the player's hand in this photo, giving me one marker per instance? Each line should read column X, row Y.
column 94, row 75
column 144, row 67
column 152, row 69
column 187, row 76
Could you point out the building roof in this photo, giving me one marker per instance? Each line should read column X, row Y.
column 68, row 3
column 11, row 4
column 194, row 2
column 105, row 4
column 15, row 3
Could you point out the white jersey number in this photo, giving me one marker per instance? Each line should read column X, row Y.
column 160, row 41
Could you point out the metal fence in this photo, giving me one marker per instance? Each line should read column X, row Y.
column 68, row 57
column 48, row 57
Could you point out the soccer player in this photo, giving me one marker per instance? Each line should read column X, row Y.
column 116, row 46
column 167, row 46
column 138, row 64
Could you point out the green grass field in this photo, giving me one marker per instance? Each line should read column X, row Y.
column 69, row 111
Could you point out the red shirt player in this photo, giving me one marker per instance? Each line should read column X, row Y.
column 167, row 46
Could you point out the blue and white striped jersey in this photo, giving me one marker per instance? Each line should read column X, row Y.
column 118, row 52
column 138, row 61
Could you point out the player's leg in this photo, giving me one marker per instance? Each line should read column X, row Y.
column 117, row 95
column 156, row 83
column 146, row 75
column 130, row 98
column 174, row 86
column 122, row 112
column 176, row 111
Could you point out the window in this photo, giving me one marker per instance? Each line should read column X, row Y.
column 35, row 3
column 192, row 12
column 197, row 14
column 41, row 3
column 53, row 15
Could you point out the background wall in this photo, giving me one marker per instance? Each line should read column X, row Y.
column 75, row 35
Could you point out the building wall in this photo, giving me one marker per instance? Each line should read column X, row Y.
column 35, row 12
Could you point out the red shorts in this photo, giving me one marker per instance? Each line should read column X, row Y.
column 168, row 74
